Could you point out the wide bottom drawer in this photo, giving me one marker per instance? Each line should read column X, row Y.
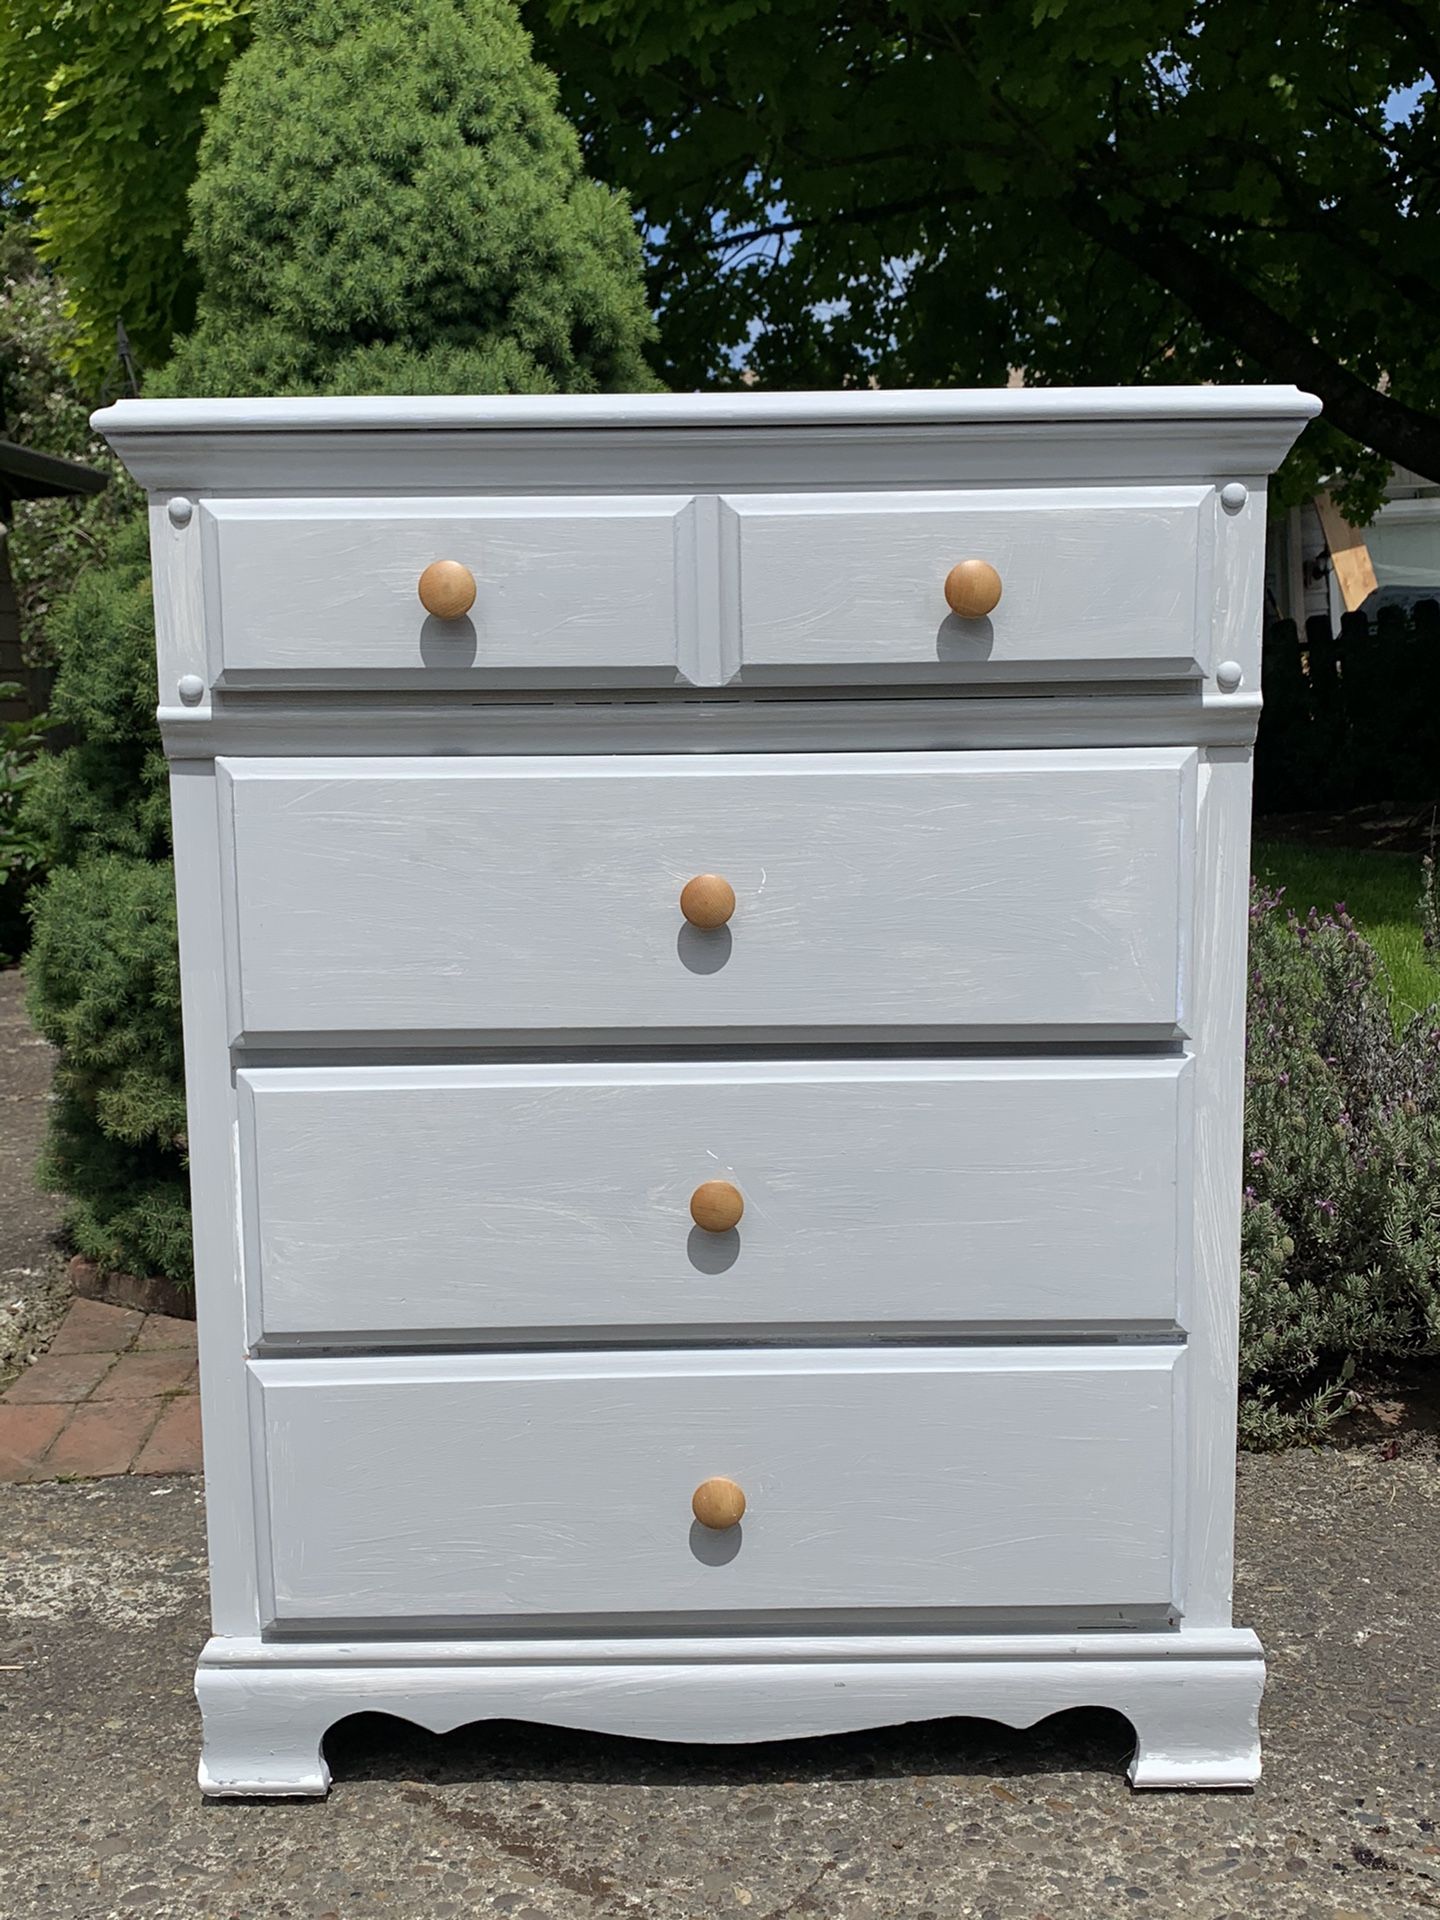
column 470, row 1489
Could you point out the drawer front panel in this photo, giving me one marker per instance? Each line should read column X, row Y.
column 395, row 1201
column 1095, row 582
column 568, row 591
column 986, row 892
column 419, row 1489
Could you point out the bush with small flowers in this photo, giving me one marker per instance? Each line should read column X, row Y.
column 1341, row 1222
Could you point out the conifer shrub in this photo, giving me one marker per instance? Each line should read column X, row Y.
column 388, row 201
column 102, row 973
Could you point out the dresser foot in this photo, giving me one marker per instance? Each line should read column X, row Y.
column 1198, row 1729
column 261, row 1741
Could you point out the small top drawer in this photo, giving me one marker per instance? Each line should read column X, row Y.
column 674, row 590
column 326, row 592
column 1094, row 583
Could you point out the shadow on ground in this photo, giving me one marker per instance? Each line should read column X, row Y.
column 376, row 1746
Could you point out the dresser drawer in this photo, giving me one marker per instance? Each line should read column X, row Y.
column 1095, row 583
column 567, row 591
column 392, row 1202
column 423, row 1489
column 1039, row 894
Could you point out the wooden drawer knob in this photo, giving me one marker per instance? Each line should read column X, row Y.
column 718, row 1504
column 972, row 588
column 447, row 589
column 717, row 1206
column 708, row 900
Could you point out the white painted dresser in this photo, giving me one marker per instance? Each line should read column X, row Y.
column 885, row 1191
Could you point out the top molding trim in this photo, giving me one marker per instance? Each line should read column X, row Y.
column 624, row 412
column 699, row 439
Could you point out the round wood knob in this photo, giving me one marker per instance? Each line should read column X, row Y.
column 717, row 1206
column 447, row 589
column 718, row 1504
column 972, row 588
column 708, row 900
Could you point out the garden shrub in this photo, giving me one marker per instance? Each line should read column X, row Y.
column 388, row 201
column 102, row 970
column 48, row 539
column 1341, row 1222
column 21, row 852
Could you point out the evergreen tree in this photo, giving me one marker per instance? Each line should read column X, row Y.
column 388, row 202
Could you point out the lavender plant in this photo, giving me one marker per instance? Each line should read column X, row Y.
column 1341, row 1224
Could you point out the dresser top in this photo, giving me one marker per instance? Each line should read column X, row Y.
column 865, row 437
column 925, row 406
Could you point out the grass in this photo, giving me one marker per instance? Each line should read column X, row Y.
column 1381, row 892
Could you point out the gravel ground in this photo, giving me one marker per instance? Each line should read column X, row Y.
column 102, row 1611
column 34, row 1288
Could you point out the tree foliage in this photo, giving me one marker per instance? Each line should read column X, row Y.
column 932, row 193
column 101, row 106
column 47, row 541
column 920, row 194
column 50, row 540
column 390, row 200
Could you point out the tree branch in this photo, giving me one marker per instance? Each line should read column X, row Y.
column 1225, row 305
column 852, row 216
column 1305, row 215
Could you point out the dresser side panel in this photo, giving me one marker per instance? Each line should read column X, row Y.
column 1219, row 948
column 177, row 576
column 219, row 1288
column 1238, row 589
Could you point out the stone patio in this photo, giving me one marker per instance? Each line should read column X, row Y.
column 116, row 1393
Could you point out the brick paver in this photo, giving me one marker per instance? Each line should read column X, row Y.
column 101, row 1438
column 25, row 1433
column 91, row 1326
column 116, row 1393
column 60, row 1377
column 161, row 1331
column 174, row 1446
column 147, row 1376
